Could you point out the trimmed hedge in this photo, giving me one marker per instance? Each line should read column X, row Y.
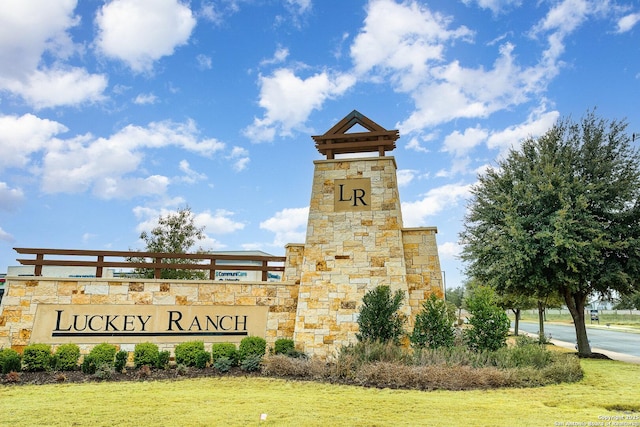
column 66, row 357
column 37, row 357
column 187, row 352
column 10, row 361
column 252, row 346
column 146, row 353
column 224, row 349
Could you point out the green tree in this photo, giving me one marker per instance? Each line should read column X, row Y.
column 628, row 302
column 455, row 296
column 434, row 324
column 560, row 215
column 489, row 323
column 380, row 319
column 176, row 233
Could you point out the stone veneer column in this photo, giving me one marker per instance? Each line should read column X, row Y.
column 348, row 253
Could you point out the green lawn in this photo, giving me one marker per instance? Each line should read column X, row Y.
column 609, row 389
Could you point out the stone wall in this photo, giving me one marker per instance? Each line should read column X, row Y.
column 24, row 296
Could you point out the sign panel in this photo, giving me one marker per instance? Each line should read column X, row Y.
column 352, row 195
column 88, row 324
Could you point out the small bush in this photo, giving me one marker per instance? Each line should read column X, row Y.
column 489, row 323
column 103, row 354
column 163, row 359
column 88, row 365
column 187, row 352
column 252, row 346
column 380, row 319
column 37, row 357
column 146, row 353
column 223, row 363
column 225, row 349
column 10, row 361
column 283, row 346
column 251, row 363
column 104, row 372
column 66, row 357
column 121, row 361
column 202, row 359
column 434, row 325
column 181, row 369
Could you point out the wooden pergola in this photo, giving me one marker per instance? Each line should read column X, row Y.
column 337, row 140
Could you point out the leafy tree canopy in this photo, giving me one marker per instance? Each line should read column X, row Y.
column 560, row 214
column 175, row 233
column 380, row 318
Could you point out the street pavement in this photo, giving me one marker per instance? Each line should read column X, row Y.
column 615, row 343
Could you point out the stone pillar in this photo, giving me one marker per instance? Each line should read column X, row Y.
column 354, row 243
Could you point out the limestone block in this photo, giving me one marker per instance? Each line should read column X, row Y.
column 15, row 291
column 94, row 289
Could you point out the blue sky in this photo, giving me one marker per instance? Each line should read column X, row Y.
column 115, row 112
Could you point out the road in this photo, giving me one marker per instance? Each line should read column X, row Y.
column 601, row 337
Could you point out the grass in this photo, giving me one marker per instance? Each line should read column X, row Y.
column 620, row 319
column 609, row 389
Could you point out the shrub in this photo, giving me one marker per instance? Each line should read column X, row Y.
column 103, row 354
column 88, row 365
column 489, row 323
column 37, row 357
column 252, row 346
column 163, row 359
column 104, row 372
column 224, row 349
column 146, row 353
column 251, row 362
column 283, row 346
column 121, row 361
column 12, row 377
column 144, row 372
column 379, row 319
column 434, row 325
column 202, row 359
column 66, row 357
column 187, row 352
column 10, row 361
column 223, row 363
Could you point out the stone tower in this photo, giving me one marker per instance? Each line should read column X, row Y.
column 355, row 239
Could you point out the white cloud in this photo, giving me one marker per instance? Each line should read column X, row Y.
column 289, row 100
column 220, row 222
column 240, row 157
column 28, row 30
column 289, row 226
column 300, row 6
column 414, row 214
column 190, row 176
column 279, row 56
column 405, row 176
column 145, row 98
column 536, row 124
column 449, row 251
column 402, row 40
column 496, row 6
column 10, row 198
column 6, row 237
column 461, row 143
column 626, row 23
column 23, row 136
column 140, row 32
column 204, row 62
column 110, row 166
